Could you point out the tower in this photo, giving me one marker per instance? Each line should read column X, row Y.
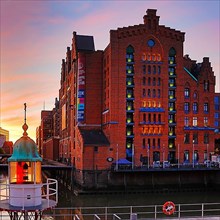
column 23, row 197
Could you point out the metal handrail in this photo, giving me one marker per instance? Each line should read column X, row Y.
column 51, row 191
column 202, row 210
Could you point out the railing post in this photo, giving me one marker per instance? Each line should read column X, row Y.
column 106, row 213
column 155, row 212
column 179, row 212
column 202, row 210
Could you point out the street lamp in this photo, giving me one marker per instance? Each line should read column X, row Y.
column 193, row 155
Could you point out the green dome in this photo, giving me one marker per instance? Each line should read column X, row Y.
column 25, row 149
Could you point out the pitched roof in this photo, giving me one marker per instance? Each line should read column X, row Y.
column 94, row 137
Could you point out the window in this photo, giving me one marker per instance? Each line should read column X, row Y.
column 149, row 117
column 144, row 81
column 171, row 94
column 195, row 107
column 158, row 82
column 186, row 93
column 195, row 138
column 148, row 93
column 154, row 142
column 144, row 69
column 206, row 138
column 159, row 69
column 154, row 93
column 149, row 69
column 186, row 156
column 186, row 138
column 148, row 143
column 206, row 107
column 216, row 115
column 217, row 100
column 154, row 116
column 143, row 143
column 158, row 93
column 159, row 118
column 149, row 81
column 217, row 108
column 205, row 121
column 144, row 117
column 195, row 121
column 156, row 156
column 158, row 142
column 154, row 81
column 195, row 95
column 154, row 70
column 186, row 121
column 206, row 85
column 144, row 93
column 186, row 107
column 96, row 149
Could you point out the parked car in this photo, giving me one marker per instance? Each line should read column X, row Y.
column 156, row 164
column 166, row 164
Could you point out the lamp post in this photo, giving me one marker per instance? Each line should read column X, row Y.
column 148, row 155
column 117, row 158
column 178, row 156
column 193, row 154
column 207, row 151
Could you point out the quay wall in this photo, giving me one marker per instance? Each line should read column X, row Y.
column 149, row 180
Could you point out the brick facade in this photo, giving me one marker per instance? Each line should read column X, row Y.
column 148, row 100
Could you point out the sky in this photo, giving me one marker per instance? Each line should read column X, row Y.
column 35, row 34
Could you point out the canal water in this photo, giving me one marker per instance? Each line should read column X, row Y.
column 69, row 199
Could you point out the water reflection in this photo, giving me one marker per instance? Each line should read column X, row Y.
column 67, row 199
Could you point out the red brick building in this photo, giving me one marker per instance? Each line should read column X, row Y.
column 47, row 134
column 139, row 99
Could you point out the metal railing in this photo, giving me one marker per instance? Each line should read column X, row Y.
column 49, row 191
column 182, row 211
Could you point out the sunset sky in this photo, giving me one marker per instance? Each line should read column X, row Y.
column 35, row 35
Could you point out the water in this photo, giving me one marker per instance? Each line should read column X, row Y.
column 69, row 199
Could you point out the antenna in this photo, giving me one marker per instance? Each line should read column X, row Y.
column 25, row 126
column 25, row 110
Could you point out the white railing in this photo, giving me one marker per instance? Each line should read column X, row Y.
column 49, row 192
column 206, row 211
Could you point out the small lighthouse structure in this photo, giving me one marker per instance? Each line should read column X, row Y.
column 25, row 192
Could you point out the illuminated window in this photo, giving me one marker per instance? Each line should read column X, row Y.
column 186, row 107
column 195, row 107
column 186, row 121
column 186, row 93
column 205, row 121
column 195, row 121
column 206, row 107
column 158, row 57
